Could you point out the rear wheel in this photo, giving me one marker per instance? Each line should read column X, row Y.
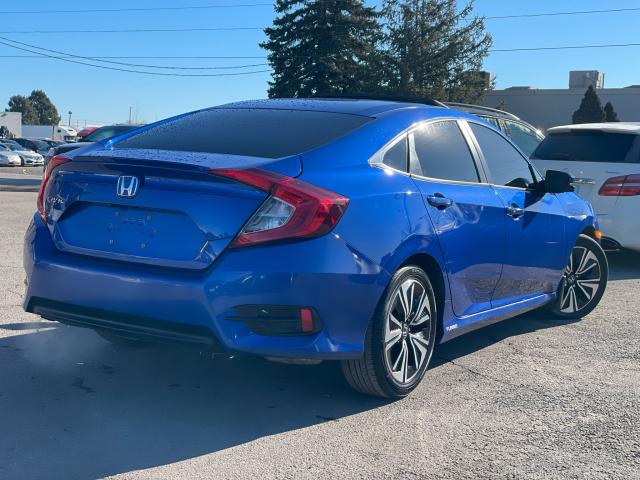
column 584, row 280
column 400, row 340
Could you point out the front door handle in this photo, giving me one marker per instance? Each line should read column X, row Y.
column 439, row 201
column 514, row 211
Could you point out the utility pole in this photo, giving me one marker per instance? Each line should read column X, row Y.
column 70, row 112
column 130, row 108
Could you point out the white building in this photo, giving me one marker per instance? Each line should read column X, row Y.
column 13, row 121
column 547, row 108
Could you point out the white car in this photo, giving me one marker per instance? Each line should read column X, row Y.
column 604, row 159
column 27, row 157
column 9, row 157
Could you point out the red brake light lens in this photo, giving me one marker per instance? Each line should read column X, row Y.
column 293, row 210
column 625, row 186
column 53, row 163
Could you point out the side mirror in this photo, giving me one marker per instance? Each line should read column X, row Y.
column 558, row 182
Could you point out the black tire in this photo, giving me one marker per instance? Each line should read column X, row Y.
column 122, row 340
column 374, row 374
column 588, row 287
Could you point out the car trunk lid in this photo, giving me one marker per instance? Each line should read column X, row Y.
column 180, row 215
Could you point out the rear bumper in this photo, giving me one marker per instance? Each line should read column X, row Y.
column 622, row 224
column 324, row 274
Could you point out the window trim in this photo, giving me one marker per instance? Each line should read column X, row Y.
column 376, row 159
column 537, row 177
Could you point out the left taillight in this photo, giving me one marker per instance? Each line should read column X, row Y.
column 293, row 210
column 625, row 186
column 53, row 163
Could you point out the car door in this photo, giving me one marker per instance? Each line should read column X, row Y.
column 467, row 215
column 535, row 252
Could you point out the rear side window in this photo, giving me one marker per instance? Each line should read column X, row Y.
column 524, row 137
column 506, row 165
column 439, row 150
column 396, row 156
column 590, row 146
column 251, row 132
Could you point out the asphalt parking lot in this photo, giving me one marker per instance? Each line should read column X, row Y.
column 531, row 397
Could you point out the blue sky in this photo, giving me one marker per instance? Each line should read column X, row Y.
column 102, row 96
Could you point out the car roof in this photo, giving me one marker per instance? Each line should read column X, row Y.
column 611, row 127
column 482, row 110
column 369, row 107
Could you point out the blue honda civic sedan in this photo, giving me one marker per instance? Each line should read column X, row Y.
column 362, row 231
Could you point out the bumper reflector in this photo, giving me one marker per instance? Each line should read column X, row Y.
column 277, row 320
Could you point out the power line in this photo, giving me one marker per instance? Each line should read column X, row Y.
column 147, row 57
column 138, row 9
column 132, row 30
column 66, row 55
column 269, row 4
column 105, row 67
column 206, row 57
column 554, row 14
column 565, row 47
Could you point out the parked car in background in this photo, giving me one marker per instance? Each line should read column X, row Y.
column 39, row 146
column 27, row 157
column 8, row 157
column 359, row 231
column 525, row 136
column 85, row 132
column 97, row 135
column 604, row 158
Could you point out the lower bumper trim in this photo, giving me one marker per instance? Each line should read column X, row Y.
column 131, row 326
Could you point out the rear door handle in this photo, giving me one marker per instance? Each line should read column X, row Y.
column 583, row 181
column 514, row 211
column 439, row 201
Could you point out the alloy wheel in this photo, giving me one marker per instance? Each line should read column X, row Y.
column 581, row 281
column 407, row 331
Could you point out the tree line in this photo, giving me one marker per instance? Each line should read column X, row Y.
column 36, row 109
column 407, row 48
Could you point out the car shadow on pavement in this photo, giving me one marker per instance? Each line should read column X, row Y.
column 484, row 337
column 74, row 406
column 623, row 265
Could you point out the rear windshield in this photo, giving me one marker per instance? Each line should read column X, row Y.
column 249, row 132
column 590, row 146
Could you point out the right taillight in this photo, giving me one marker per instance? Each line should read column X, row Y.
column 53, row 163
column 293, row 210
column 625, row 186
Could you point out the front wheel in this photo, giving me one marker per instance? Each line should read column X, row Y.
column 400, row 340
column 584, row 280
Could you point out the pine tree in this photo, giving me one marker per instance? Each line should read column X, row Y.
column 590, row 110
column 610, row 113
column 435, row 50
column 323, row 47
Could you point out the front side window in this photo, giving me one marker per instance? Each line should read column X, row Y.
column 524, row 137
column 506, row 165
column 439, row 150
column 590, row 146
